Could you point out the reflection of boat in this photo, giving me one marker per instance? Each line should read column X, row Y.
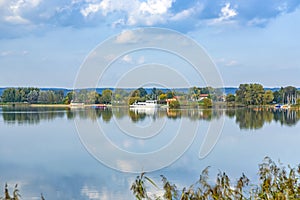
column 146, row 104
column 286, row 106
column 279, row 106
column 144, row 110
column 148, row 107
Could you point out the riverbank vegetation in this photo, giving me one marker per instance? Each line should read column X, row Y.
column 207, row 97
column 276, row 182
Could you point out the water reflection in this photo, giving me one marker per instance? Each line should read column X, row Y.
column 255, row 119
column 245, row 118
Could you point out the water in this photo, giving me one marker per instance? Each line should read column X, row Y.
column 40, row 148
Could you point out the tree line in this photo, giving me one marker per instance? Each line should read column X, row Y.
column 256, row 94
column 246, row 94
column 38, row 96
column 118, row 96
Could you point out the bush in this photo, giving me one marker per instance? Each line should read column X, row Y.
column 174, row 104
column 207, row 103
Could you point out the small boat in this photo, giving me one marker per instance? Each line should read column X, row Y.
column 285, row 106
column 277, row 106
column 146, row 104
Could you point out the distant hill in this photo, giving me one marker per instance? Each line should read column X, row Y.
column 228, row 90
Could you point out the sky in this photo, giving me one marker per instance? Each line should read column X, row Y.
column 44, row 43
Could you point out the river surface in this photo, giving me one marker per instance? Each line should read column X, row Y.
column 49, row 151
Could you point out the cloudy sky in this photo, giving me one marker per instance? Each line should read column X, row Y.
column 44, row 42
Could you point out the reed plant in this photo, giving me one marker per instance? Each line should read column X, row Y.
column 276, row 182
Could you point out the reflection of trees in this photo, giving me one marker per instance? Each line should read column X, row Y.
column 245, row 118
column 119, row 113
column 255, row 119
column 27, row 115
column 135, row 116
column 249, row 119
column 230, row 113
column 286, row 117
column 174, row 113
column 106, row 114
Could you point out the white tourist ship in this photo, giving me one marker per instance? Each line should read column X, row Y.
column 146, row 104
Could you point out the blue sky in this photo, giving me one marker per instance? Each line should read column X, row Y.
column 44, row 42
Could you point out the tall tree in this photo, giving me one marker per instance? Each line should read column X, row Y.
column 268, row 97
column 106, row 96
column 33, row 96
column 250, row 94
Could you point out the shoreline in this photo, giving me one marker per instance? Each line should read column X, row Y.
column 69, row 106
column 54, row 105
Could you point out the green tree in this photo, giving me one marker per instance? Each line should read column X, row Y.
column 33, row 96
column 194, row 93
column 81, row 96
column 170, row 94
column 46, row 97
column 241, row 93
column 154, row 94
column 8, row 95
column 132, row 100
column 268, row 97
column 69, row 97
column 250, row 94
column 207, row 102
column 58, row 96
column 174, row 104
column 162, row 97
column 278, row 96
column 20, row 95
column 120, row 95
column 230, row 98
column 142, row 92
column 106, row 96
column 93, row 97
column 289, row 94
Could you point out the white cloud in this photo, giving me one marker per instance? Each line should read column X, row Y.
column 16, row 19
column 133, row 59
column 15, row 9
column 257, row 22
column 231, row 63
column 188, row 12
column 183, row 14
column 146, row 13
column 226, row 62
column 226, row 14
column 127, row 58
column 154, row 7
column 126, row 37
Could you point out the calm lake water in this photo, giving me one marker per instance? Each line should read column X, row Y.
column 41, row 150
